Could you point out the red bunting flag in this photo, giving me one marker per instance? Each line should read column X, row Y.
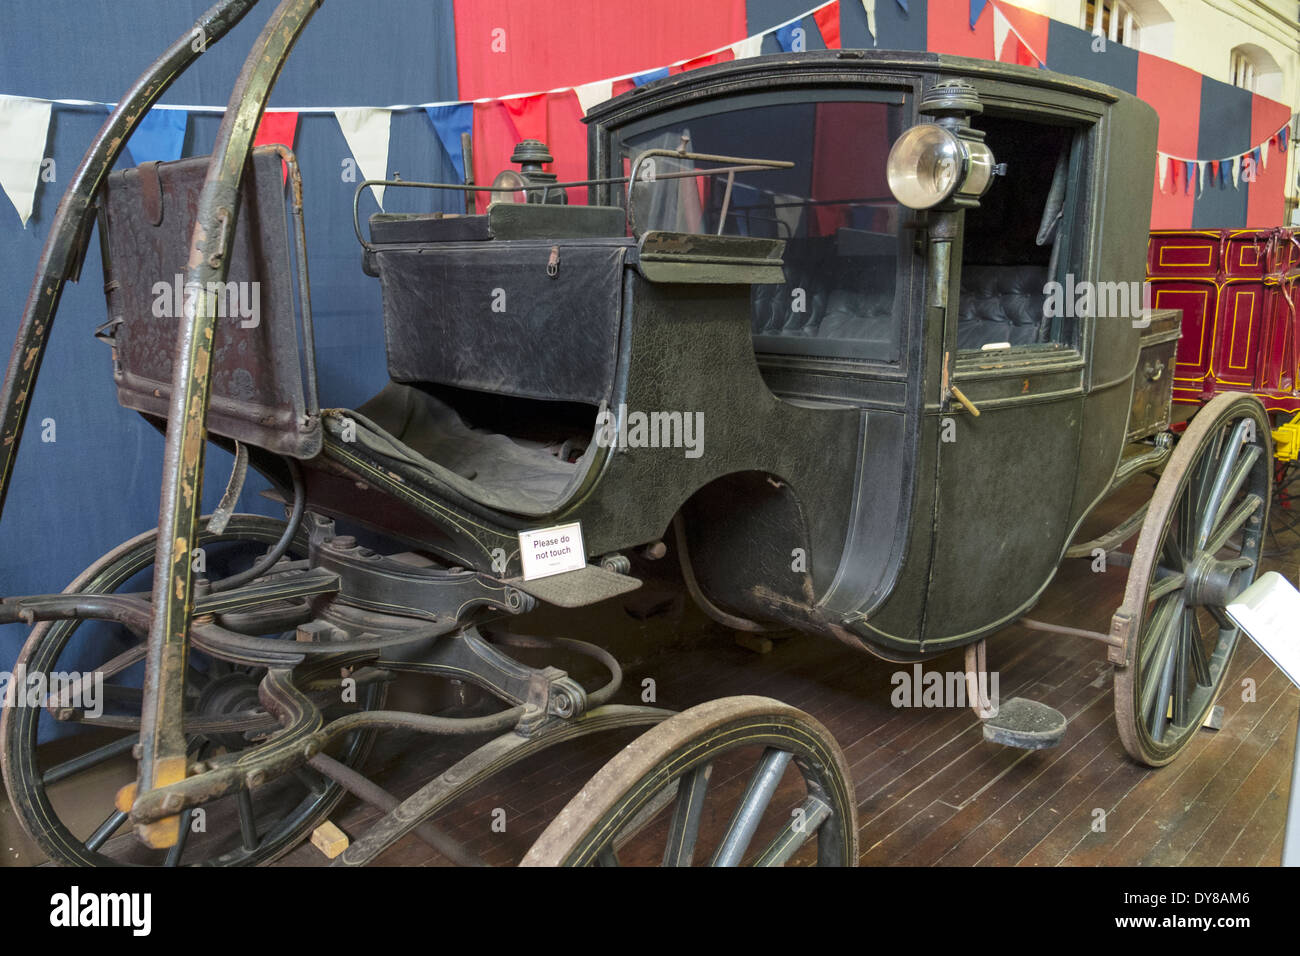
column 723, row 56
column 277, row 128
column 828, row 21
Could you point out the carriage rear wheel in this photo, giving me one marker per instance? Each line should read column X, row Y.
column 1199, row 548
column 49, row 796
column 673, row 791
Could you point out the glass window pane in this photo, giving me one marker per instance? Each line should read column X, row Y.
column 832, row 207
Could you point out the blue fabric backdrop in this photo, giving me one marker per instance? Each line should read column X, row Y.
column 97, row 483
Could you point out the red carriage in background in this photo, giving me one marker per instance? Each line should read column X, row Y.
column 1239, row 290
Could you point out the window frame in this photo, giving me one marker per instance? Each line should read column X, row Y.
column 1078, row 229
column 891, row 89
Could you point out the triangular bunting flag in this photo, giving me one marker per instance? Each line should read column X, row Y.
column 709, row 59
column 1236, row 170
column 828, row 21
column 24, row 127
column 277, row 129
column 903, row 4
column 1173, row 174
column 1282, row 135
column 750, row 46
column 593, row 94
column 869, row 7
column 159, row 138
column 1162, row 169
column 1187, row 180
column 785, row 36
column 1001, row 27
column 529, row 114
column 976, row 8
column 449, row 122
column 1214, row 170
column 1263, row 152
column 366, row 130
column 650, row 77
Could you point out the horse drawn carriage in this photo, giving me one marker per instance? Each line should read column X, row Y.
column 804, row 333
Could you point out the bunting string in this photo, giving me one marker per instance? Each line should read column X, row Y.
column 24, row 121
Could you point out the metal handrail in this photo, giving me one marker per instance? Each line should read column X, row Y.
column 739, row 164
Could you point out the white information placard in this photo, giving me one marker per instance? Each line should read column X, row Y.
column 548, row 551
column 1269, row 611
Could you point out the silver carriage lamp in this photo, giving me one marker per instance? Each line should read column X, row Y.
column 944, row 164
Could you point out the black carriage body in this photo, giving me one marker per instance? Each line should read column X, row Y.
column 836, row 487
column 835, row 492
column 940, row 538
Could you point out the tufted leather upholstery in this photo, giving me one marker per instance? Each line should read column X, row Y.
column 838, row 301
column 1001, row 304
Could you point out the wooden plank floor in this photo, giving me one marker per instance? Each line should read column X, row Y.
column 930, row 790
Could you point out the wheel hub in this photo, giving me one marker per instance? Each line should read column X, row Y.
column 229, row 694
column 1215, row 583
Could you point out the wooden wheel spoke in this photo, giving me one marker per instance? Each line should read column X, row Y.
column 1158, row 674
column 1238, row 478
column 1200, row 665
column 1199, row 485
column 1168, row 583
column 105, row 830
column 92, row 758
column 762, row 786
column 1182, row 665
column 1228, row 524
column 688, row 811
column 1157, row 709
column 247, row 821
column 174, row 853
column 1217, row 490
column 805, row 821
column 607, row 856
column 1173, row 553
column 1158, row 633
column 1221, row 617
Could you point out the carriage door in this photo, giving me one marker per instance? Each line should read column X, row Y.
column 1006, row 478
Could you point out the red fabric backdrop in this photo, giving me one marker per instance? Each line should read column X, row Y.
column 505, row 47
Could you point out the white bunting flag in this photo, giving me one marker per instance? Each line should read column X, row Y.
column 366, row 130
column 593, row 94
column 24, row 127
column 1236, row 170
column 1200, row 176
column 1263, row 154
column 870, row 7
column 1001, row 27
column 750, row 46
column 1162, row 167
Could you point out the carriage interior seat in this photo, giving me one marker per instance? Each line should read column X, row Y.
column 501, row 333
column 1011, row 245
column 847, row 302
column 428, row 442
column 1001, row 303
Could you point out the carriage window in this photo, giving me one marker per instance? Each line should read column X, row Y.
column 1018, row 241
column 832, row 207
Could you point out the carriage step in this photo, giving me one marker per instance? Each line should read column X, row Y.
column 577, row 588
column 1027, row 724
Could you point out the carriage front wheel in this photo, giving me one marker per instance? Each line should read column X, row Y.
column 1199, row 548
column 713, row 785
